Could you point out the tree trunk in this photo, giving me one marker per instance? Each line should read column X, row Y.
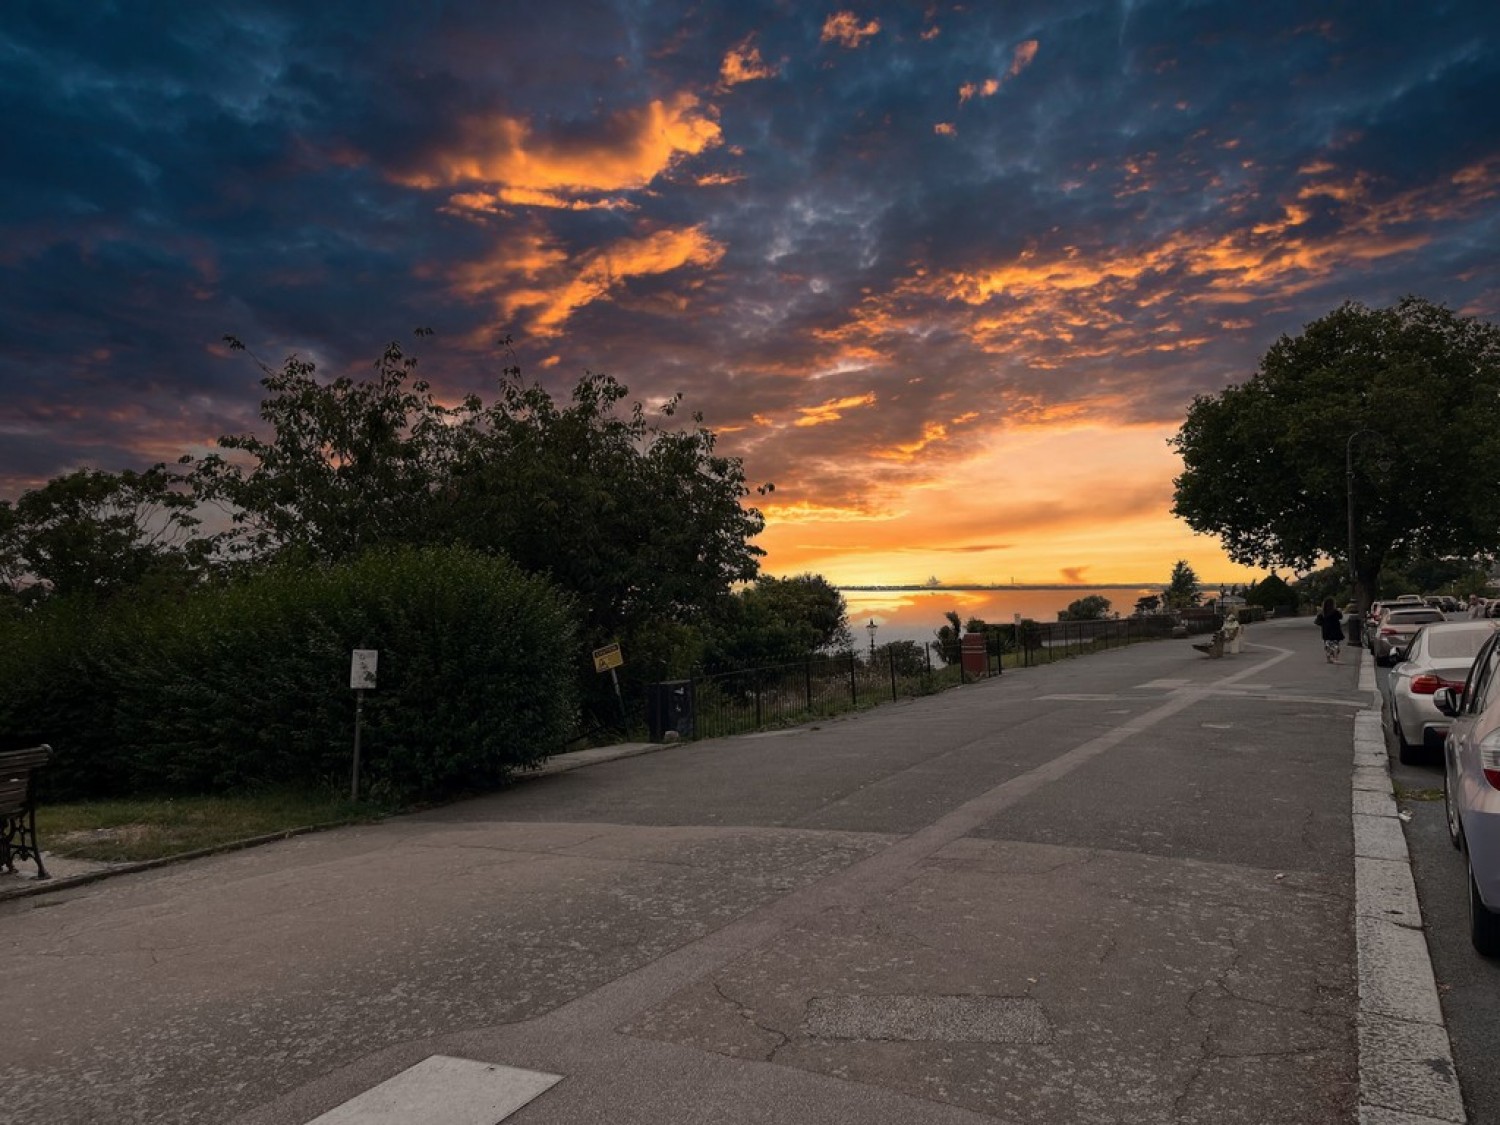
column 1366, row 585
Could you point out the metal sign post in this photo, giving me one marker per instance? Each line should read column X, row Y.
column 607, row 659
column 361, row 676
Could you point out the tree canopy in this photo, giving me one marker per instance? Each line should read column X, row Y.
column 1408, row 397
column 639, row 517
column 778, row 620
column 1094, row 607
column 93, row 534
column 1182, row 587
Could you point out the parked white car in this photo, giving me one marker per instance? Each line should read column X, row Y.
column 1397, row 626
column 1471, row 789
column 1438, row 657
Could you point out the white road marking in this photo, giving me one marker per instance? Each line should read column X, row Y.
column 442, row 1090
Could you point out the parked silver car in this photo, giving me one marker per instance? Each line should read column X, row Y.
column 1398, row 625
column 1372, row 623
column 1438, row 657
column 1471, row 788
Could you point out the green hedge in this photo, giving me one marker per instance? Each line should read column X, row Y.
column 248, row 686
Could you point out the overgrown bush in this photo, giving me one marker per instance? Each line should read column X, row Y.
column 53, row 689
column 248, row 686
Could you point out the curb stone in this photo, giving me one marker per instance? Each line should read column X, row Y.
column 1406, row 1071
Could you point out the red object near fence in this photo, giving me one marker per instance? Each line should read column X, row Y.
column 976, row 660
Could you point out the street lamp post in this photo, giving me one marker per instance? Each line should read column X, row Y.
column 1349, row 508
column 871, row 627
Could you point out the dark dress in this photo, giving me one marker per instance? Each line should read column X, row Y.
column 1332, row 624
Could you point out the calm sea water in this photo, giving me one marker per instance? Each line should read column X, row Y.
column 916, row 615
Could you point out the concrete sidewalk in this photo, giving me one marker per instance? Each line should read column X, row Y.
column 65, row 872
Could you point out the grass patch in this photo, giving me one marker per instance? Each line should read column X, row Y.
column 153, row 828
column 1404, row 794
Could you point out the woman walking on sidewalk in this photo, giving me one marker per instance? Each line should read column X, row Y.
column 1332, row 623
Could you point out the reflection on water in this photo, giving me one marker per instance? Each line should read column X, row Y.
column 916, row 615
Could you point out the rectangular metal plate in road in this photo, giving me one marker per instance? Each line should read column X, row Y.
column 441, row 1090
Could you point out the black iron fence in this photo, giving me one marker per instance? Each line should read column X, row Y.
column 1042, row 642
column 709, row 705
column 759, row 698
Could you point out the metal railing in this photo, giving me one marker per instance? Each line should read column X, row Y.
column 1043, row 642
column 749, row 699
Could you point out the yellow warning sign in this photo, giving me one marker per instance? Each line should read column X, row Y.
column 607, row 657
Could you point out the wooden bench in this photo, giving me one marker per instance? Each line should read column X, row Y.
column 18, row 770
column 1214, row 646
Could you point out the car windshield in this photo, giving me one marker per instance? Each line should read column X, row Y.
column 1455, row 642
column 1413, row 616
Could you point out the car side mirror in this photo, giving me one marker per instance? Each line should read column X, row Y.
column 1448, row 701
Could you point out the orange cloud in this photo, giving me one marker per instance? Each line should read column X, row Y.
column 804, row 512
column 945, row 129
column 626, row 151
column 1024, row 53
column 986, row 89
column 831, row 411
column 1046, row 307
column 907, row 451
column 532, row 273
column 845, row 29
column 470, row 202
column 744, row 64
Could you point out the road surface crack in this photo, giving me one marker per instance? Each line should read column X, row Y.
column 748, row 1015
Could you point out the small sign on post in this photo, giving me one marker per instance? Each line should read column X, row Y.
column 361, row 676
column 362, row 668
column 607, row 659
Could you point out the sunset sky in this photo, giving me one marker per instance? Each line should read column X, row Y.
column 948, row 274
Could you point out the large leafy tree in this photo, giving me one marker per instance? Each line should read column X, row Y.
column 1407, row 397
column 1094, row 607
column 777, row 620
column 1182, row 587
column 1272, row 592
column 346, row 465
column 638, row 516
column 94, row 534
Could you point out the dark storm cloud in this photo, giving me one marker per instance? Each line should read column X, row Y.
column 953, row 216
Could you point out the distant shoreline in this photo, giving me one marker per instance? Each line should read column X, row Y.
column 918, row 588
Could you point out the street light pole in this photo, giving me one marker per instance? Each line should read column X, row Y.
column 1349, row 509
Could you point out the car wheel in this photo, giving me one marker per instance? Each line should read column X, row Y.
column 1484, row 926
column 1450, row 805
column 1410, row 753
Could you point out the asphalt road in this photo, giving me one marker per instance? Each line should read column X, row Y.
column 1468, row 984
column 1117, row 889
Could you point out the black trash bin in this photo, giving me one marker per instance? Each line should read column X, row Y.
column 669, row 706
